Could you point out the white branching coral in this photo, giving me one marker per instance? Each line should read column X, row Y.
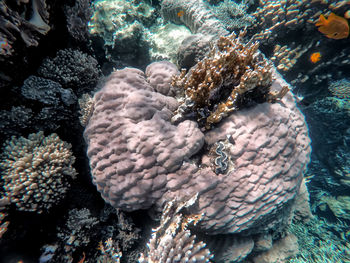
column 172, row 241
column 36, row 170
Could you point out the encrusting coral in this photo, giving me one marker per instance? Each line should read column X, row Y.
column 36, row 171
column 234, row 75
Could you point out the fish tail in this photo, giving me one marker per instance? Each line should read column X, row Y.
column 321, row 21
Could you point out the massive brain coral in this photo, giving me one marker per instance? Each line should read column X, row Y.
column 246, row 170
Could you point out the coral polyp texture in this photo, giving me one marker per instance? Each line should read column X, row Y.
column 340, row 89
column 36, row 171
column 234, row 75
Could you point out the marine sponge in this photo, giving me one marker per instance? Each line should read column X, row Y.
column 36, row 170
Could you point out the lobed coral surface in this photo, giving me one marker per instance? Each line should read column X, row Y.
column 140, row 159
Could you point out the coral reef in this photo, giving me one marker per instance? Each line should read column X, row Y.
column 171, row 241
column 36, row 171
column 165, row 41
column 282, row 250
column 201, row 20
column 319, row 241
column 340, row 205
column 103, row 238
column 330, row 114
column 48, row 107
column 218, row 151
column 72, row 69
column 197, row 16
column 193, row 49
column 14, row 121
column 141, row 113
column 230, row 248
column 4, row 201
column 340, row 89
column 78, row 17
column 76, row 232
column 109, row 252
column 47, row 92
column 140, row 159
column 121, row 26
column 86, row 105
column 279, row 26
column 159, row 77
column 234, row 16
column 232, row 76
column 14, row 26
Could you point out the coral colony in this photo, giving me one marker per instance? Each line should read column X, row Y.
column 169, row 131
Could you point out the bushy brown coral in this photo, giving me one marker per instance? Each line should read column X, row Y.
column 232, row 76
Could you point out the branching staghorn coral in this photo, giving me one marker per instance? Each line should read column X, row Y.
column 232, row 76
column 36, row 170
column 171, row 241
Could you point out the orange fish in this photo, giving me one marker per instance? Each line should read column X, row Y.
column 83, row 258
column 335, row 27
column 315, row 57
column 180, row 13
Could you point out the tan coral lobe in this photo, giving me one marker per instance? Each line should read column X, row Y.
column 139, row 158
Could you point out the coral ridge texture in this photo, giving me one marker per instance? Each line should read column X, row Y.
column 140, row 159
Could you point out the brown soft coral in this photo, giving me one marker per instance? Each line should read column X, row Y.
column 232, row 76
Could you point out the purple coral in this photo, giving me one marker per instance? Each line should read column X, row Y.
column 140, row 159
column 132, row 144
